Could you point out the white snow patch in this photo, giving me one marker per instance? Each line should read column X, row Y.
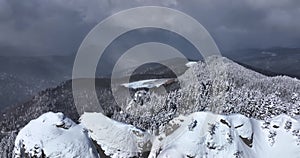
column 190, row 64
column 150, row 83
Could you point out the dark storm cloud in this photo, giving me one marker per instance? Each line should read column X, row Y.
column 44, row 27
column 40, row 27
column 249, row 23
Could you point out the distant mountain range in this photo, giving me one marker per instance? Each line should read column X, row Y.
column 22, row 77
column 277, row 61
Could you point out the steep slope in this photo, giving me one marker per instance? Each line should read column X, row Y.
column 15, row 89
column 22, row 77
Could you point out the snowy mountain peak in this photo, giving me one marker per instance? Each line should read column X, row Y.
column 53, row 135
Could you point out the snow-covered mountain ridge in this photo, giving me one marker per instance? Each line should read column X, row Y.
column 208, row 135
column 220, row 86
column 200, row 134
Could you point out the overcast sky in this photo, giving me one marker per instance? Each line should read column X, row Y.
column 57, row 27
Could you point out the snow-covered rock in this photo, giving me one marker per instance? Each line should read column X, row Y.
column 200, row 134
column 115, row 138
column 53, row 135
column 230, row 136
